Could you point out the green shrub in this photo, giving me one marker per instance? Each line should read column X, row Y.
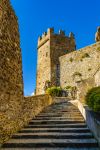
column 93, row 99
column 54, row 91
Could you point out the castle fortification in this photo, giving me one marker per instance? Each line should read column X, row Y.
column 62, row 65
column 50, row 47
column 58, row 62
column 79, row 65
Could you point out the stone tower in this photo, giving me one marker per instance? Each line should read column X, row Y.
column 11, row 82
column 50, row 47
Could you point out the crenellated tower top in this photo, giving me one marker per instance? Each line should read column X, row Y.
column 49, row 33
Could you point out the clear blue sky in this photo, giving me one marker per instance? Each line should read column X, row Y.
column 79, row 16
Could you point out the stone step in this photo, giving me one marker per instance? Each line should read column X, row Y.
column 57, row 130
column 79, row 125
column 61, row 109
column 53, row 136
column 54, row 116
column 55, row 122
column 61, row 106
column 59, row 127
column 51, row 143
column 53, row 133
column 60, row 113
column 58, row 118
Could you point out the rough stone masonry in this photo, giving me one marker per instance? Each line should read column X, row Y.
column 15, row 109
column 11, row 83
column 79, row 65
column 50, row 47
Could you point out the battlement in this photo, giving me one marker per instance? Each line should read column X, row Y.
column 50, row 32
column 45, row 34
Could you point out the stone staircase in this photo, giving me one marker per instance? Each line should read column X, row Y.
column 59, row 127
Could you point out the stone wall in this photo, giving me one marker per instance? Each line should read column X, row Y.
column 31, row 107
column 60, row 44
column 92, row 120
column 97, row 78
column 50, row 47
column 43, row 67
column 35, row 104
column 83, row 87
column 11, row 82
column 79, row 65
column 15, row 110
